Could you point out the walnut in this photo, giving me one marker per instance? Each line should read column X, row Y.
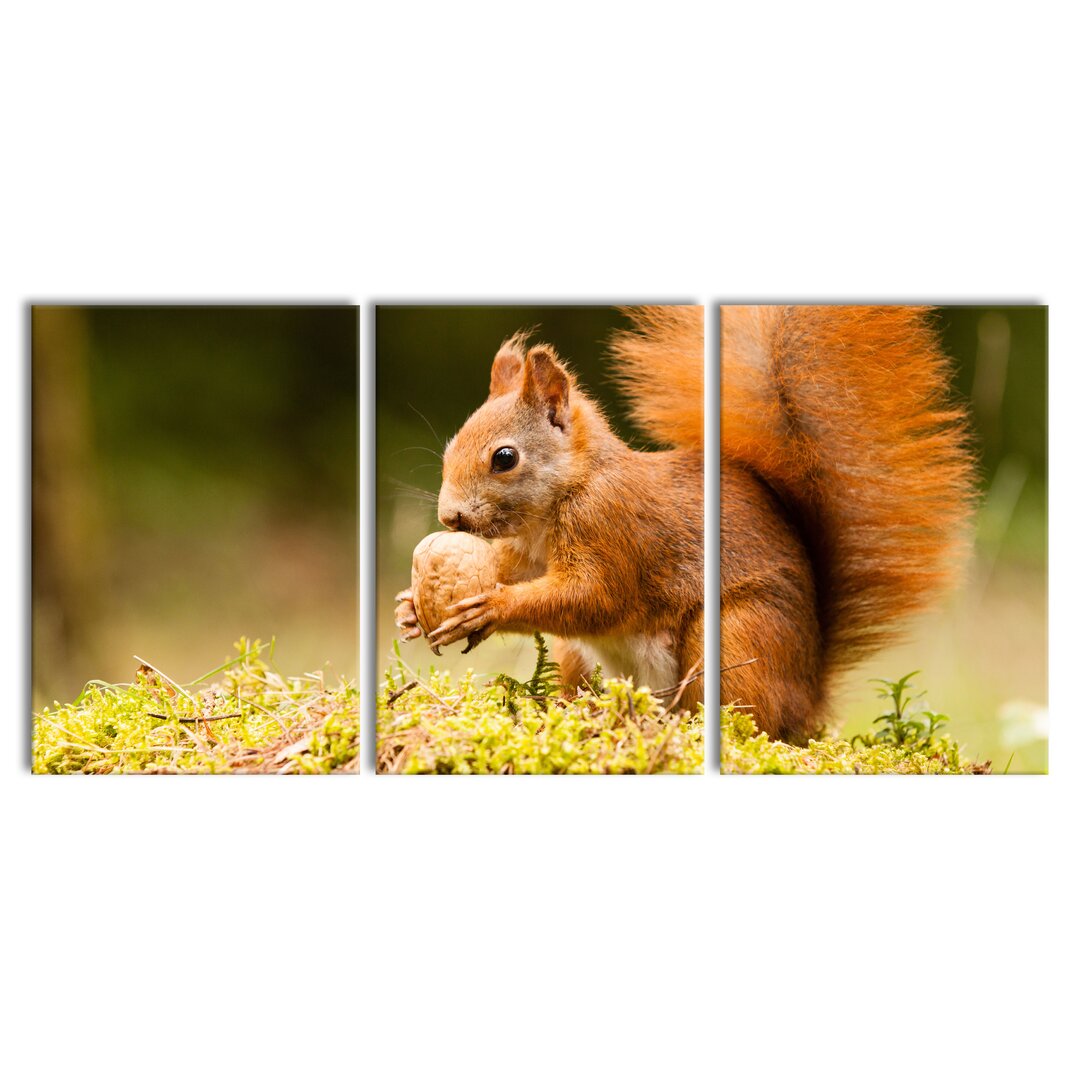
column 448, row 567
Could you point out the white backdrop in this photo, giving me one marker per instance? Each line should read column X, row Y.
column 181, row 927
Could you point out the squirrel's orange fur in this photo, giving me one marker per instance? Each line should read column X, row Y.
column 598, row 544
column 846, row 484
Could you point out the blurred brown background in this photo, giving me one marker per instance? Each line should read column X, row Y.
column 194, row 478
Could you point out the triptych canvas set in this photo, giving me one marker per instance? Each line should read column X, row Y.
column 628, row 539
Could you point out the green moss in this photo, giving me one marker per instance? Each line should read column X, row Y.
column 746, row 750
column 250, row 719
column 439, row 726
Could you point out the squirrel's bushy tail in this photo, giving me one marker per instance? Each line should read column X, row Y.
column 845, row 413
column 659, row 366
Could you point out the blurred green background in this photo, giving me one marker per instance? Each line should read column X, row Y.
column 432, row 370
column 194, row 478
column 982, row 656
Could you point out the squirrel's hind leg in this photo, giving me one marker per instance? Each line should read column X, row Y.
column 770, row 665
column 576, row 664
column 692, row 662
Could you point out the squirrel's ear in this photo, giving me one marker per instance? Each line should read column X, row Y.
column 506, row 371
column 547, row 385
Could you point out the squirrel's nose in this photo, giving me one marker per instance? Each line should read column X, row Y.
column 454, row 521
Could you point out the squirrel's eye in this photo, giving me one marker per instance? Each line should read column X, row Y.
column 504, row 459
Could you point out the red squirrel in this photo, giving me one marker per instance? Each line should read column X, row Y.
column 846, row 483
column 598, row 544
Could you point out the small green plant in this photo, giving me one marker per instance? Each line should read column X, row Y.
column 543, row 684
column 903, row 726
column 596, row 680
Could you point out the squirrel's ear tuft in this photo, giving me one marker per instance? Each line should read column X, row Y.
column 507, row 368
column 547, row 385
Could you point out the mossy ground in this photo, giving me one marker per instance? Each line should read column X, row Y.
column 437, row 725
column 250, row 719
column 744, row 749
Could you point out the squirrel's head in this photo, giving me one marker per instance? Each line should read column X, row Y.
column 511, row 460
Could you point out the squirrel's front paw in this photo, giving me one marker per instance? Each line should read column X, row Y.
column 405, row 615
column 475, row 618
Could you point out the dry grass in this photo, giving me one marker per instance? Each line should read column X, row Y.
column 440, row 724
column 250, row 719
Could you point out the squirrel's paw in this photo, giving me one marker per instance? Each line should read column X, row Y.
column 405, row 616
column 475, row 618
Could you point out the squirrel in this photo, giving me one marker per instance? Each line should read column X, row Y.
column 846, row 482
column 598, row 544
